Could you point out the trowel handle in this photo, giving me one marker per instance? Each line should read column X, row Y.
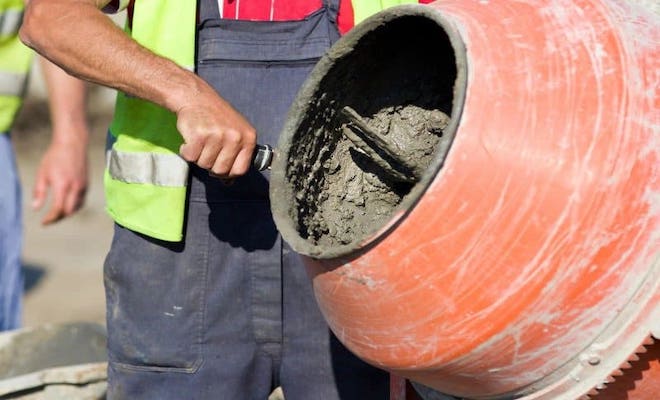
column 262, row 157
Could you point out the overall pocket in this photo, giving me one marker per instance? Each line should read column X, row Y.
column 155, row 296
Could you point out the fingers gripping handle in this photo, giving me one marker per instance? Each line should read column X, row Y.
column 261, row 159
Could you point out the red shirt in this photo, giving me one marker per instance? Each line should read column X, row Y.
column 281, row 10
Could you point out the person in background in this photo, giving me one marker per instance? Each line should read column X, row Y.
column 62, row 172
column 204, row 299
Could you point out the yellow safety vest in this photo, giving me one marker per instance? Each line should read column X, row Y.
column 15, row 60
column 145, row 178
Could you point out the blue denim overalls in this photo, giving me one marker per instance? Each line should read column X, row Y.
column 11, row 235
column 229, row 313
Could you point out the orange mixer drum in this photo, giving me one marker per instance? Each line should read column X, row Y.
column 520, row 258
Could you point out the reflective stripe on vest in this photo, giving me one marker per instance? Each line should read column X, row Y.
column 12, row 84
column 10, row 21
column 147, row 168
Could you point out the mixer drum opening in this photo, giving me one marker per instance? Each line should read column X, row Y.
column 368, row 131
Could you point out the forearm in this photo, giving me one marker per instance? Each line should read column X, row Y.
column 67, row 103
column 62, row 176
column 78, row 37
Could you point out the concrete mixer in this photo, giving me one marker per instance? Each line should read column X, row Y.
column 475, row 189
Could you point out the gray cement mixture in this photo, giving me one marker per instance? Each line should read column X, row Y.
column 402, row 90
column 356, row 196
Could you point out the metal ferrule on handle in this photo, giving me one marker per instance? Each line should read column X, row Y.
column 263, row 156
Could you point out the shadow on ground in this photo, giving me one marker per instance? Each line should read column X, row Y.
column 32, row 275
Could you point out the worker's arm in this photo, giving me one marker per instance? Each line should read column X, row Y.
column 63, row 168
column 76, row 35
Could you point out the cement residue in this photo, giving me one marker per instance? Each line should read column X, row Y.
column 356, row 195
column 414, row 131
column 51, row 346
column 401, row 91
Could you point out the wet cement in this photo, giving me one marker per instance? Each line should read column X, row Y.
column 403, row 90
column 357, row 196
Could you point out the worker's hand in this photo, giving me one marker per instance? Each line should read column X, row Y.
column 216, row 136
column 63, row 172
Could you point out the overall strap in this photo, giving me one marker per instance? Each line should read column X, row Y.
column 208, row 9
column 333, row 9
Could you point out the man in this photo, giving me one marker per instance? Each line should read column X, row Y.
column 204, row 301
column 63, row 168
